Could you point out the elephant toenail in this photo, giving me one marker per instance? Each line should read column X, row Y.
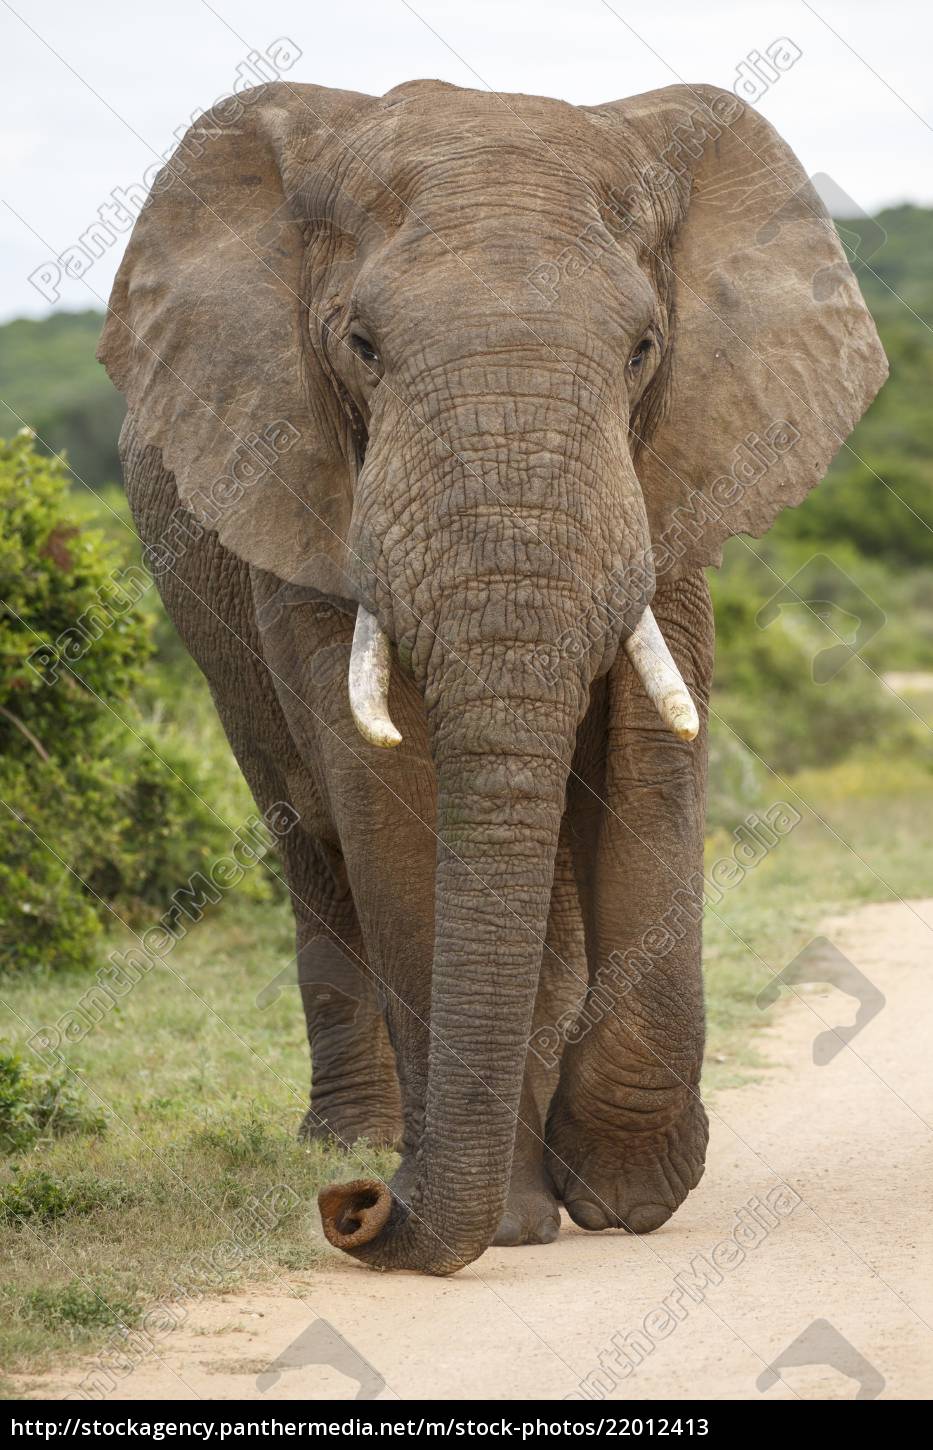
column 646, row 1218
column 549, row 1231
column 509, row 1232
column 588, row 1215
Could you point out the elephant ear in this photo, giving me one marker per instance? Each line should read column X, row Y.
column 208, row 333
column 774, row 356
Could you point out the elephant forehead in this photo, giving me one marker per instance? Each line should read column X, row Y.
column 426, row 139
column 462, row 197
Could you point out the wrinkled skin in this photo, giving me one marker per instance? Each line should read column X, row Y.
column 479, row 463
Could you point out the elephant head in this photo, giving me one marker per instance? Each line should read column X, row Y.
column 485, row 369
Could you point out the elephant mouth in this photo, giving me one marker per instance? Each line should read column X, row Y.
column 370, row 668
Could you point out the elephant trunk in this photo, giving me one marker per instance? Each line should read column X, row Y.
column 502, row 740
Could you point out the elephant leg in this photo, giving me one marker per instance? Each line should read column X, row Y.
column 224, row 640
column 627, row 1131
column 532, row 1214
column 384, row 808
column 354, row 1083
column 381, row 808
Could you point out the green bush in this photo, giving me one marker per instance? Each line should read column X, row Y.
column 65, row 599
column 76, row 1306
column 40, row 1105
column 34, row 1193
column 109, row 813
column 766, row 696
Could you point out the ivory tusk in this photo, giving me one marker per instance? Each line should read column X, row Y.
column 664, row 686
column 368, row 681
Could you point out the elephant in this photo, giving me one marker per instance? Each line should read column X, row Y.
column 440, row 404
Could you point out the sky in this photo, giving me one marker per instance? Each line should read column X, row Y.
column 94, row 93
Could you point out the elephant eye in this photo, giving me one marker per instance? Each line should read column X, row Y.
column 640, row 354
column 364, row 349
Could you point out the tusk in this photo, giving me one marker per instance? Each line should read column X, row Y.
column 661, row 678
column 368, row 681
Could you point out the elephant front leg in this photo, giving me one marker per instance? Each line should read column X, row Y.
column 384, row 806
column 354, row 1084
column 627, row 1131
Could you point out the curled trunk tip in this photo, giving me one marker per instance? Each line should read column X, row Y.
column 353, row 1214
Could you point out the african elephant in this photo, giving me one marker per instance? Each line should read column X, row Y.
column 439, row 405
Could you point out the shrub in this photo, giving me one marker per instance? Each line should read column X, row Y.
column 76, row 1306
column 111, row 813
column 65, row 593
column 765, row 692
column 34, row 1193
column 244, row 1140
column 35, row 1105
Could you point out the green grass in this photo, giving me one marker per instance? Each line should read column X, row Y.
column 192, row 1094
column 202, row 1094
column 865, row 834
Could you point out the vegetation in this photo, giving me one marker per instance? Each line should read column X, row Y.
column 199, row 1180
column 116, row 811
column 38, row 1106
column 52, row 382
column 126, row 1169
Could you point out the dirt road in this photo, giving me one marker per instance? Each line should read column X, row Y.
column 809, row 1245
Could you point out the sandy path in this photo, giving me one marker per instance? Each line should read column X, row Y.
column 854, row 1256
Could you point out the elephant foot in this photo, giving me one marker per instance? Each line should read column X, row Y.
column 633, row 1180
column 532, row 1214
column 343, row 1128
